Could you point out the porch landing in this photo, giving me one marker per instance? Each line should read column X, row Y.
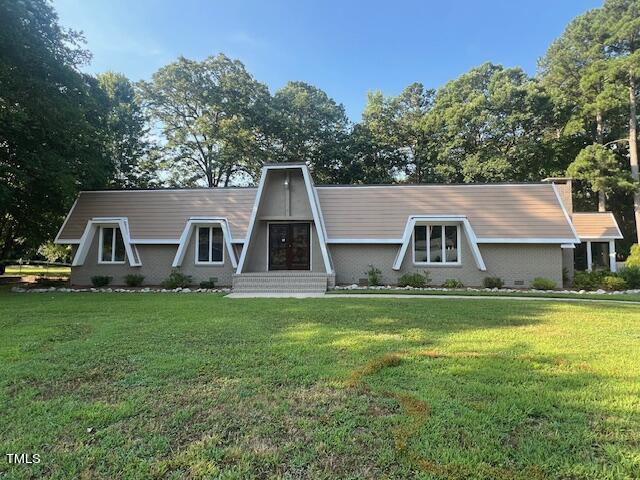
column 289, row 282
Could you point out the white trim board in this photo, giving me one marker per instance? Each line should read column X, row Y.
column 64, row 224
column 89, row 234
column 526, row 240
column 564, row 211
column 315, row 210
column 468, row 230
column 188, row 230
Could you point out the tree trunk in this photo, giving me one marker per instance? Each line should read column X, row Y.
column 602, row 198
column 633, row 150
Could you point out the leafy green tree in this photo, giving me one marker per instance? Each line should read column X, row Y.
column 366, row 161
column 54, row 252
column 51, row 125
column 397, row 126
column 127, row 134
column 492, row 125
column 306, row 125
column 210, row 113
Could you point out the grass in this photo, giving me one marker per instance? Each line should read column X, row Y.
column 201, row 386
column 38, row 270
column 626, row 297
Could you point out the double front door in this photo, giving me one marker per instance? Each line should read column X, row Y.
column 289, row 246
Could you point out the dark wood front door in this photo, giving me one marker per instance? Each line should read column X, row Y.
column 289, row 246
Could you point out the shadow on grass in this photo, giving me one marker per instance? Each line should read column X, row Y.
column 201, row 386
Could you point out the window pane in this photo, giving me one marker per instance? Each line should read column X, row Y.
column 107, row 244
column 216, row 245
column 451, row 243
column 203, row 244
column 600, row 255
column 435, row 243
column 420, row 239
column 119, row 256
column 580, row 257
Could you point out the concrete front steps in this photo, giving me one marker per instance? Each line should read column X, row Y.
column 281, row 282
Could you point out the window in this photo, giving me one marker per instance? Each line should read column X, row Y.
column 111, row 245
column 436, row 244
column 600, row 255
column 209, row 245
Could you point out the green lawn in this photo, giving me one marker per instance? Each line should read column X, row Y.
column 626, row 297
column 201, row 386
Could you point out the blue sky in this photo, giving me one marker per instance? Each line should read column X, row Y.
column 347, row 48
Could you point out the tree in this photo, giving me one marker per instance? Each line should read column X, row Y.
column 492, row 125
column 601, row 169
column 306, row 125
column 127, row 140
column 576, row 72
column 208, row 112
column 621, row 33
column 51, row 125
column 397, row 124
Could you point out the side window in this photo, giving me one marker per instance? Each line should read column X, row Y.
column 436, row 244
column 111, row 245
column 209, row 245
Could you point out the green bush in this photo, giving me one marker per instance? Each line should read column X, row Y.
column 614, row 282
column 541, row 283
column 633, row 260
column 374, row 276
column 211, row 283
column 452, row 283
column 415, row 280
column 492, row 282
column 100, row 281
column 177, row 280
column 631, row 275
column 588, row 280
column 133, row 279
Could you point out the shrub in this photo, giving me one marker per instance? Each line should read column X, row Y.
column 541, row 283
column 177, row 280
column 633, row 260
column 211, row 283
column 452, row 283
column 374, row 276
column 614, row 282
column 588, row 280
column 631, row 275
column 492, row 282
column 133, row 279
column 100, row 281
column 415, row 280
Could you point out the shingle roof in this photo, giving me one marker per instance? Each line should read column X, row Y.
column 513, row 211
column 496, row 211
column 596, row 225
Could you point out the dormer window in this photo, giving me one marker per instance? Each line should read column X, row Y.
column 111, row 247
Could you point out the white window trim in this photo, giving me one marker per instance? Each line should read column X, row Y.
column 197, row 242
column 469, row 235
column 443, row 249
column 113, row 246
column 185, row 238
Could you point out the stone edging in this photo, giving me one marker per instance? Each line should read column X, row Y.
column 496, row 290
column 119, row 290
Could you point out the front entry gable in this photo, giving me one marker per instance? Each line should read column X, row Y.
column 286, row 194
